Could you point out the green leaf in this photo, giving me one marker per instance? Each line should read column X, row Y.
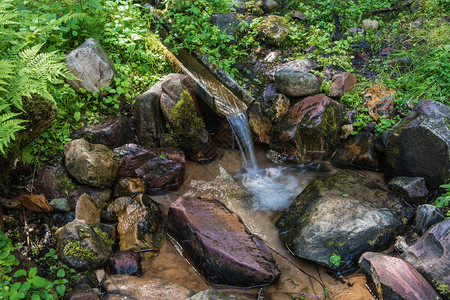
column 35, row 297
column 335, row 259
column 15, row 287
column 61, row 289
column 20, row 272
column 25, row 286
column 38, row 281
column 77, row 116
column 32, row 272
column 61, row 273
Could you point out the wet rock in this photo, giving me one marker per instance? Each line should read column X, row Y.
column 295, row 83
column 172, row 86
column 60, row 204
column 273, row 30
column 368, row 24
column 427, row 216
column 226, row 22
column 100, row 197
column 81, row 248
column 219, row 245
column 280, row 106
column 82, row 291
column 125, row 262
column 342, row 83
column 269, row 92
column 311, row 128
column 158, row 167
column 36, row 203
column 141, row 223
column 400, row 244
column 260, row 127
column 424, row 130
column 354, row 31
column 393, row 278
column 270, row 6
column 132, row 287
column 86, row 210
column 304, row 65
column 358, row 150
column 52, row 181
column 148, row 118
column 379, row 100
column 92, row 65
column 430, row 255
column 129, row 187
column 91, row 164
column 111, row 132
column 344, row 214
column 412, row 189
column 61, row 219
column 213, row 294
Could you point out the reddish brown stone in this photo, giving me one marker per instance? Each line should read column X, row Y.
column 260, row 127
column 36, row 203
column 393, row 278
column 129, row 187
column 380, row 102
column 125, row 262
column 342, row 83
column 219, row 245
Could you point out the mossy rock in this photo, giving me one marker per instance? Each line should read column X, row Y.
column 273, row 30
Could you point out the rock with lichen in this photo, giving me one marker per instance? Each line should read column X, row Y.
column 273, row 30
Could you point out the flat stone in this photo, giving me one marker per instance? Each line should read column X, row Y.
column 394, row 278
column 36, row 203
column 86, row 210
column 216, row 241
column 132, row 287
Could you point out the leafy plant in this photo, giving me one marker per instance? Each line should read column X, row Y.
column 335, row 259
column 444, row 199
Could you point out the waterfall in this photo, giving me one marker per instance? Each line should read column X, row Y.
column 239, row 125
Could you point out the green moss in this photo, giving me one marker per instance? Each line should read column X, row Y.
column 104, row 236
column 74, row 249
column 189, row 130
column 273, row 30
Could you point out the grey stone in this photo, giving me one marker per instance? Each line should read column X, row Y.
column 226, row 22
column 148, row 119
column 304, row 65
column 270, row 6
column 345, row 214
column 412, row 189
column 294, row 83
column 60, row 204
column 370, row 24
column 91, row 164
column 90, row 63
column 426, row 216
column 430, row 255
column 354, row 31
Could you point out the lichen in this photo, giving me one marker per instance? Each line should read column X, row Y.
column 75, row 250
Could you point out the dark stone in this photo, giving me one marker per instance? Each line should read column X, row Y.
column 309, row 129
column 430, row 255
column 412, row 189
column 125, row 262
column 358, row 150
column 427, row 216
column 82, row 291
column 393, row 278
column 159, row 167
column 420, row 145
column 218, row 244
column 50, row 182
column 345, row 214
column 81, row 248
column 269, row 92
column 148, row 119
column 226, row 22
column 111, row 132
column 100, row 197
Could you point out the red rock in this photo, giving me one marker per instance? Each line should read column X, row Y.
column 394, row 278
column 36, row 203
column 217, row 242
column 125, row 262
column 342, row 83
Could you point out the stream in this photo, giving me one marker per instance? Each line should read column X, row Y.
column 258, row 198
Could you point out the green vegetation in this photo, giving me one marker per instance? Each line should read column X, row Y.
column 104, row 236
column 335, row 259
column 444, row 199
column 74, row 249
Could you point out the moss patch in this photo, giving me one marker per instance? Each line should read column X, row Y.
column 74, row 249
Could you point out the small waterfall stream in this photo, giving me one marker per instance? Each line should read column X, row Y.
column 239, row 125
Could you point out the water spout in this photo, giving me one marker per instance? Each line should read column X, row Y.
column 239, row 125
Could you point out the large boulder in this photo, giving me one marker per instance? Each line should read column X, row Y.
column 91, row 164
column 420, row 145
column 393, row 278
column 426, row 216
column 141, row 223
column 159, row 167
column 80, row 247
column 92, row 66
column 132, row 287
column 295, row 83
column 343, row 215
column 148, row 119
column 218, row 244
column 111, row 132
column 309, row 129
column 430, row 255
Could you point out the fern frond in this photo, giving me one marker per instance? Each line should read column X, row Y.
column 8, row 127
column 6, row 71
